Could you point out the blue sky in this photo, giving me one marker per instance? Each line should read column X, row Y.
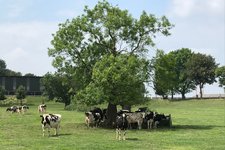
column 26, row 27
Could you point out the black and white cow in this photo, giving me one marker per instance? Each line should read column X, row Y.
column 12, row 109
column 93, row 117
column 150, row 119
column 158, row 118
column 24, row 108
column 121, row 126
column 18, row 109
column 42, row 108
column 51, row 121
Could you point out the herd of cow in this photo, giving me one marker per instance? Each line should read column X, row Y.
column 142, row 118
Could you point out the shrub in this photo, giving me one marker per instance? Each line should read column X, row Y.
column 20, row 93
column 10, row 101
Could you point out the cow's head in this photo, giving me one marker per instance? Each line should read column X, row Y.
column 45, row 119
column 87, row 114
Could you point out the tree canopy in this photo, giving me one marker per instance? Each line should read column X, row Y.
column 201, row 69
column 58, row 86
column 170, row 73
column 220, row 73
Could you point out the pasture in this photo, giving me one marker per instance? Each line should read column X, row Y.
column 197, row 125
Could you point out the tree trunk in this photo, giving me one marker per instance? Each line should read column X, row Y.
column 67, row 102
column 172, row 94
column 111, row 115
column 200, row 87
column 183, row 95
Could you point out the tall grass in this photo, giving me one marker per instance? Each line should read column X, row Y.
column 197, row 125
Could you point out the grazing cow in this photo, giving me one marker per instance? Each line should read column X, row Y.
column 42, row 108
column 135, row 117
column 121, row 125
column 51, row 121
column 93, row 117
column 17, row 109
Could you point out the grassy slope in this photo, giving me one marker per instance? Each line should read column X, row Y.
column 197, row 124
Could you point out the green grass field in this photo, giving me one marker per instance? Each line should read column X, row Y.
column 197, row 125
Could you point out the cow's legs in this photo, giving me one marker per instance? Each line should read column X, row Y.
column 57, row 130
column 43, row 130
column 156, row 124
column 117, row 134
column 48, row 131
column 124, row 134
column 139, row 125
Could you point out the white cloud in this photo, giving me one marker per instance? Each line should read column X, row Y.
column 183, row 8
column 216, row 6
column 24, row 46
column 189, row 8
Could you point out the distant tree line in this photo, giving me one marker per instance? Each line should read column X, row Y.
column 181, row 71
column 4, row 71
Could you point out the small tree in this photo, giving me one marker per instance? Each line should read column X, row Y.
column 58, row 86
column 21, row 93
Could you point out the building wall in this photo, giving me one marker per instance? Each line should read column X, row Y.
column 31, row 84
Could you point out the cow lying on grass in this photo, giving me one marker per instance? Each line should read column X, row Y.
column 18, row 109
column 51, row 121
column 12, row 109
column 121, row 126
column 155, row 120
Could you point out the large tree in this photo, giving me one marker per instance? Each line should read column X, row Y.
column 201, row 69
column 183, row 83
column 103, row 30
column 164, row 74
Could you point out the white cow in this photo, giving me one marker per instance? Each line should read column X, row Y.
column 42, row 108
column 136, row 117
column 51, row 121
